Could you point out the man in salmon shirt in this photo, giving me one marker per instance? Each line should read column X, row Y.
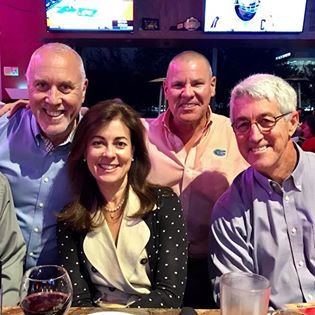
column 193, row 151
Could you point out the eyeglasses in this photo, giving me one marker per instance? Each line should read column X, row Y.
column 263, row 123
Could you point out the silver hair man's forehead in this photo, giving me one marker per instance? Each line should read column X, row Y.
column 266, row 86
column 58, row 48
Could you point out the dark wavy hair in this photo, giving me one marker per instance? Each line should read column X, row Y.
column 80, row 214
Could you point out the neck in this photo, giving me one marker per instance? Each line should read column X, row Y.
column 190, row 132
column 60, row 138
column 113, row 195
column 285, row 165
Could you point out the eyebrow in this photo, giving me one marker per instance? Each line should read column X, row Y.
column 116, row 138
column 260, row 115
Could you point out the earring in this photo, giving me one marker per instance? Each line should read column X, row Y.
column 132, row 159
column 84, row 160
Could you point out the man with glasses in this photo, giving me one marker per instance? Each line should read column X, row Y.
column 265, row 222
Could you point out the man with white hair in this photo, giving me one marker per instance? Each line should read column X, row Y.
column 35, row 143
column 265, row 222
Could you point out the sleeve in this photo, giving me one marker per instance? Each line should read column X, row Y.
column 71, row 257
column 230, row 246
column 169, row 281
column 12, row 246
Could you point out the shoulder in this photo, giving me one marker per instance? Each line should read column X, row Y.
column 165, row 194
column 19, row 118
column 152, row 123
column 221, row 120
column 236, row 199
column 168, row 205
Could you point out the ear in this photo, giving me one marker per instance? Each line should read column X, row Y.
column 213, row 83
column 85, row 85
column 293, row 123
column 165, row 88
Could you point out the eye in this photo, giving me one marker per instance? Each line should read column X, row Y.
column 65, row 88
column 197, row 84
column 96, row 143
column 41, row 85
column 177, row 85
column 242, row 125
column 266, row 121
column 121, row 144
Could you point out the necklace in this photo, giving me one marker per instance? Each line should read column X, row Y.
column 112, row 211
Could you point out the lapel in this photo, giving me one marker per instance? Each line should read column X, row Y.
column 117, row 265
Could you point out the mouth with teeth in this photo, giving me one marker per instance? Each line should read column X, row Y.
column 188, row 105
column 54, row 113
column 258, row 149
column 108, row 167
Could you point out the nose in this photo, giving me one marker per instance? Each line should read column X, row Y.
column 109, row 151
column 53, row 96
column 188, row 90
column 254, row 133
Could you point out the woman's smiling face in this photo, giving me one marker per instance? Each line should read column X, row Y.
column 109, row 155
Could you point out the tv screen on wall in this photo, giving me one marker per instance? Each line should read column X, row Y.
column 89, row 15
column 282, row 16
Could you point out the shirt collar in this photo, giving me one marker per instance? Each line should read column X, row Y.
column 47, row 143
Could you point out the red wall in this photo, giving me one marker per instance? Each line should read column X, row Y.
column 22, row 26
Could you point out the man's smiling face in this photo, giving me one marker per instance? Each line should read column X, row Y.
column 56, row 92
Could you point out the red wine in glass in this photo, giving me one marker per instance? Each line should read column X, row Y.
column 46, row 303
column 46, row 290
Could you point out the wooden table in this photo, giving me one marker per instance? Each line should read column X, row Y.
column 135, row 311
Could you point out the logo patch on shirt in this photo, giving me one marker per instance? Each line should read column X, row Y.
column 220, row 152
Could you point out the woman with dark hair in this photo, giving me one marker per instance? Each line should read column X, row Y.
column 122, row 240
column 308, row 128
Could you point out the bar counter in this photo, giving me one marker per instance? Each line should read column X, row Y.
column 135, row 311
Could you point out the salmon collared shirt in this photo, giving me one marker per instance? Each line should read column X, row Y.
column 199, row 176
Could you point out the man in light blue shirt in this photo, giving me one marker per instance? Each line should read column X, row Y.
column 34, row 146
column 265, row 222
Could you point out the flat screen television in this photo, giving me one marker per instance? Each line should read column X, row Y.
column 89, row 15
column 274, row 16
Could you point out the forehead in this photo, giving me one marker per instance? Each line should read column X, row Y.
column 114, row 128
column 193, row 68
column 249, row 107
column 50, row 65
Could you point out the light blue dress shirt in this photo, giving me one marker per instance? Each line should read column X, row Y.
column 261, row 227
column 39, row 183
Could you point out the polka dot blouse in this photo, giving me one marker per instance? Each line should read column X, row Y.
column 167, row 254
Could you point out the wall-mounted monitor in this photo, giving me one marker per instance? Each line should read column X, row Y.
column 89, row 15
column 282, row 16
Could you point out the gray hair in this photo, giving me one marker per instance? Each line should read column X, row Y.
column 57, row 48
column 189, row 55
column 266, row 86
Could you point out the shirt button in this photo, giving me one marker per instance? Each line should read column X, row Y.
column 41, row 205
column 46, row 179
column 36, row 229
column 143, row 261
column 286, row 198
column 93, row 269
column 111, row 289
column 293, row 231
column 31, row 254
column 301, row 263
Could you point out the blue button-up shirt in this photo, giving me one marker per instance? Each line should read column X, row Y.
column 39, row 183
column 261, row 227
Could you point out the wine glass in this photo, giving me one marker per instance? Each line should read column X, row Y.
column 46, row 290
